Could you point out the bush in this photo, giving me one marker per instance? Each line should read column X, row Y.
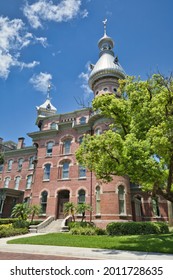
column 80, row 224
column 6, row 232
column 4, row 221
column 137, row 228
column 83, row 231
column 6, row 226
column 21, row 224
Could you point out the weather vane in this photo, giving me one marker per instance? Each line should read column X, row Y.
column 104, row 22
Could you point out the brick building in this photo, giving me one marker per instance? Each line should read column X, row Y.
column 48, row 174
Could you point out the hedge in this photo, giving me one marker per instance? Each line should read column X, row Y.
column 4, row 221
column 6, row 232
column 136, row 228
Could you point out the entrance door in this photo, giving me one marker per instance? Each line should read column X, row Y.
column 63, row 197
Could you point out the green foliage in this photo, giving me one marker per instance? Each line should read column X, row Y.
column 82, row 208
column 80, row 224
column 139, row 141
column 4, row 221
column 83, row 231
column 137, row 228
column 21, row 211
column 21, row 224
column 69, row 209
column 85, row 228
column 34, row 210
column 1, row 159
column 10, row 231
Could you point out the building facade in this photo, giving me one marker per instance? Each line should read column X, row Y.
column 48, row 174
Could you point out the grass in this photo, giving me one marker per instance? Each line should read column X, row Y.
column 161, row 243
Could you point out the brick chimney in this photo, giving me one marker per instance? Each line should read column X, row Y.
column 20, row 143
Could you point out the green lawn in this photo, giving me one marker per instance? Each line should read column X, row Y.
column 162, row 243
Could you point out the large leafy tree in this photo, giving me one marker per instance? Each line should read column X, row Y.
column 139, row 142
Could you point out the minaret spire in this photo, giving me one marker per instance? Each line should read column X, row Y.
column 104, row 22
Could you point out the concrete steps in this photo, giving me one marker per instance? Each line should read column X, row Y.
column 54, row 226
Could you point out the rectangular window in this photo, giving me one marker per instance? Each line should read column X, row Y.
column 67, row 145
column 29, row 182
column 46, row 172
column 10, row 163
column 82, row 172
column 65, row 170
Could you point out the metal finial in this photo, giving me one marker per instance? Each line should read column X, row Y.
column 104, row 22
column 48, row 91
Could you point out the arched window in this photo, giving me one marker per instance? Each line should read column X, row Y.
column 82, row 120
column 155, row 205
column 65, row 170
column 43, row 202
column 28, row 182
column 47, row 171
column 66, row 146
column 121, row 199
column 17, row 181
column 138, row 206
column 97, row 131
column 82, row 171
column 49, row 148
column 10, row 163
column 97, row 200
column 6, row 182
column 81, row 196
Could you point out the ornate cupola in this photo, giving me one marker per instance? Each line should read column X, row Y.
column 107, row 71
column 45, row 110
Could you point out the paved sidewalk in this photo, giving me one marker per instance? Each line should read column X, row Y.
column 73, row 252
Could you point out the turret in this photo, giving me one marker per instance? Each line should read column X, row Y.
column 45, row 110
column 107, row 71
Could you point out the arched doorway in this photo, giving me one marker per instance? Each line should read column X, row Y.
column 63, row 197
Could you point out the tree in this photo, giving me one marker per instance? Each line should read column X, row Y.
column 21, row 211
column 82, row 208
column 139, row 142
column 1, row 158
column 69, row 209
column 34, row 210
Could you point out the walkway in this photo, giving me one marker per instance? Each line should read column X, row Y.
column 78, row 253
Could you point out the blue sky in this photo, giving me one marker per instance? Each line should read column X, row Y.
column 42, row 40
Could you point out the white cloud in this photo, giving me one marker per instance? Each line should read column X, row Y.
column 41, row 81
column 84, row 76
column 13, row 38
column 44, row 10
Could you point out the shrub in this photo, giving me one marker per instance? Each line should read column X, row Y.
column 80, row 224
column 100, row 231
column 4, row 221
column 6, row 226
column 83, row 231
column 12, row 231
column 21, row 224
column 135, row 228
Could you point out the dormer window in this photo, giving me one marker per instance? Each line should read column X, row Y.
column 54, row 125
column 82, row 120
